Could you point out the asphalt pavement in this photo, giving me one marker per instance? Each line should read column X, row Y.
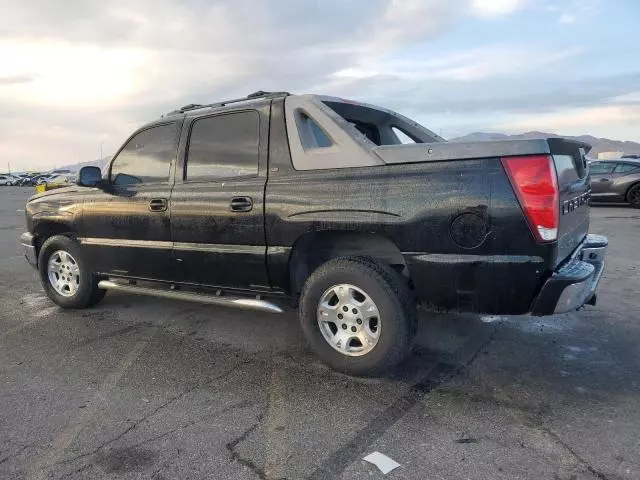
column 140, row 387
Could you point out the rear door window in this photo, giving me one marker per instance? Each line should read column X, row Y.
column 601, row 168
column 224, row 146
column 625, row 168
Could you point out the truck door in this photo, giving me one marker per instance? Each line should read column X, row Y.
column 125, row 225
column 217, row 216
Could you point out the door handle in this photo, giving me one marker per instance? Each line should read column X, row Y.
column 241, row 204
column 158, row 205
column 604, row 179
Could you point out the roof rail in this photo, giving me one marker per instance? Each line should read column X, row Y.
column 251, row 96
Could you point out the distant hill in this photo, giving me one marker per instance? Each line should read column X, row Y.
column 77, row 166
column 598, row 144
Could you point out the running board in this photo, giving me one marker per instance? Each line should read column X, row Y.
column 225, row 301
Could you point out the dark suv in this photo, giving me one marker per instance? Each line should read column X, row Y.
column 353, row 211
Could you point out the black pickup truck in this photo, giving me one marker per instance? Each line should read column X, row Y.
column 352, row 210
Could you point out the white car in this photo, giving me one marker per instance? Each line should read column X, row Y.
column 59, row 179
column 7, row 180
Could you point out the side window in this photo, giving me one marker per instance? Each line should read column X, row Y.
column 600, row 168
column 311, row 134
column 402, row 137
column 146, row 158
column 224, row 146
column 625, row 168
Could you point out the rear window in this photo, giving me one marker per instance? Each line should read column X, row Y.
column 379, row 126
column 565, row 168
column 311, row 134
column 626, row 168
column 403, row 137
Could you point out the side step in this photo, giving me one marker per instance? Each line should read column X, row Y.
column 225, row 301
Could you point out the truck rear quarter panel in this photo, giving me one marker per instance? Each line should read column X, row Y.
column 458, row 224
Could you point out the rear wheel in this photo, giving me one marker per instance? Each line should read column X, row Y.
column 65, row 274
column 358, row 315
column 634, row 196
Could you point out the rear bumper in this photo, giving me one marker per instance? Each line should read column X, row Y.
column 574, row 284
column 29, row 249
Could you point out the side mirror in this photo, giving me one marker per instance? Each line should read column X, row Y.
column 89, row 177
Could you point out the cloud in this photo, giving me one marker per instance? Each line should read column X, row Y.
column 571, row 12
column 113, row 65
column 496, row 8
column 577, row 121
column 70, row 74
column 465, row 65
column 567, row 18
column 92, row 71
column 15, row 79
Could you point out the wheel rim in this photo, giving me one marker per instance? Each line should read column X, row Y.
column 64, row 273
column 635, row 197
column 349, row 320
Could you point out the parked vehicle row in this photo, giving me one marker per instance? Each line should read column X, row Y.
column 60, row 176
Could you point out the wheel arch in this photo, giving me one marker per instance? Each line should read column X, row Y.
column 631, row 187
column 46, row 229
column 314, row 248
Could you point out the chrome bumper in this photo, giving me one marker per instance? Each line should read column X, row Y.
column 575, row 283
column 29, row 248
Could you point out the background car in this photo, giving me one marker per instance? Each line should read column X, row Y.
column 40, row 179
column 55, row 181
column 616, row 181
column 24, row 180
column 6, row 180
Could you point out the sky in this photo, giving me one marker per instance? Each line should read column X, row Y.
column 80, row 74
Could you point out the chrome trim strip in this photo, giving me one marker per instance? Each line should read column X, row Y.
column 225, row 301
column 464, row 258
column 181, row 246
column 219, row 248
column 123, row 242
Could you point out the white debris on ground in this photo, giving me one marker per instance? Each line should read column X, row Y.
column 384, row 463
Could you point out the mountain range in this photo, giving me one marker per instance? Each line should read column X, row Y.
column 598, row 144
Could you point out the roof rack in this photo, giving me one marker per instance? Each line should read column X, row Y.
column 251, row 96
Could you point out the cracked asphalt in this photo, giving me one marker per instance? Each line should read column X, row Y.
column 148, row 388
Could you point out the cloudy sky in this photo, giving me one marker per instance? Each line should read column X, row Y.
column 76, row 73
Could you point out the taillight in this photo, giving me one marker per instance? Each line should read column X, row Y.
column 534, row 180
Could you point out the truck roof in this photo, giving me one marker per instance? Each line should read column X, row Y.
column 251, row 98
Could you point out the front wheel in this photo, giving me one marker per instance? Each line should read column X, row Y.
column 634, row 197
column 358, row 315
column 65, row 274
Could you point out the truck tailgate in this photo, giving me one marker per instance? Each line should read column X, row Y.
column 574, row 192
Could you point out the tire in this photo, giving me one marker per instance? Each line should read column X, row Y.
column 634, row 196
column 388, row 332
column 80, row 288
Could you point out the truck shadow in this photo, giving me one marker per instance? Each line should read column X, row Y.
column 572, row 354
